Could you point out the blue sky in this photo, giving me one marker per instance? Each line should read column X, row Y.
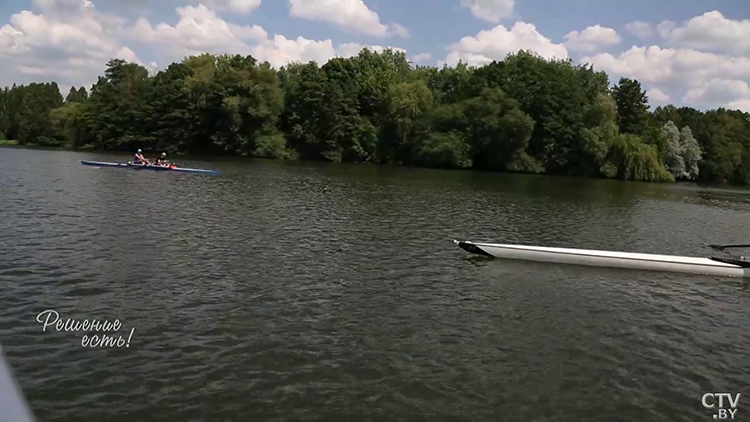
column 701, row 58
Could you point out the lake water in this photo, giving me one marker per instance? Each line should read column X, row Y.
column 302, row 291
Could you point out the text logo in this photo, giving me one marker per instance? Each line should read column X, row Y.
column 724, row 404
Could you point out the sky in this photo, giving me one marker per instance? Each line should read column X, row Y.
column 691, row 52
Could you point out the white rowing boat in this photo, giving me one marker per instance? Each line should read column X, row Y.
column 12, row 401
column 716, row 266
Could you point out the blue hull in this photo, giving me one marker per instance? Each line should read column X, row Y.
column 146, row 167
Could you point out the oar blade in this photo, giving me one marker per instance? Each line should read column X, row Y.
column 722, row 247
column 713, row 246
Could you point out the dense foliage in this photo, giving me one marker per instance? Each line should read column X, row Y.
column 522, row 114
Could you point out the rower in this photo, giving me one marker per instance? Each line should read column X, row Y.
column 139, row 158
column 162, row 160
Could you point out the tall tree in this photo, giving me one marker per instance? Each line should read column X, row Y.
column 406, row 103
column 118, row 109
column 632, row 106
column 76, row 95
column 498, row 132
column 691, row 153
column 673, row 157
column 556, row 95
column 5, row 110
column 69, row 124
column 599, row 135
column 34, row 125
column 175, row 121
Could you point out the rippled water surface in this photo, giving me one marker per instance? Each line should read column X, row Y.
column 299, row 291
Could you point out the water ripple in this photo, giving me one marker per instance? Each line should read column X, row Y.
column 296, row 291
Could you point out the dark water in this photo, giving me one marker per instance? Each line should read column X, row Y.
column 334, row 292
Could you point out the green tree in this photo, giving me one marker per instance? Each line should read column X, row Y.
column 5, row 110
column 76, row 95
column 247, row 102
column 443, row 142
column 453, row 84
column 376, row 73
column 630, row 158
column 69, row 124
column 673, row 157
column 599, row 134
column 34, row 126
column 176, row 121
column 407, row 102
column 632, row 106
column 555, row 94
column 118, row 109
column 725, row 145
column 498, row 132
column 447, row 150
column 691, row 153
column 320, row 115
column 302, row 119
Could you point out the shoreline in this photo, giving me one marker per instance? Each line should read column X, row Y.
column 237, row 158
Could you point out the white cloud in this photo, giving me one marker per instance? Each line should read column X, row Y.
column 665, row 27
column 279, row 50
column 700, row 79
column 352, row 49
column 710, row 31
column 591, row 39
column 498, row 42
column 683, row 75
column 422, row 57
column 640, row 29
column 657, row 96
column 399, row 30
column 238, row 6
column 743, row 105
column 680, row 67
column 68, row 41
column 718, row 92
column 490, row 10
column 352, row 15
column 199, row 30
column 247, row 32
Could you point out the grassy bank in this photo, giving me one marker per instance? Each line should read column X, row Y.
column 8, row 142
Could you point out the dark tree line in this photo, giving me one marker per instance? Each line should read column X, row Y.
column 522, row 114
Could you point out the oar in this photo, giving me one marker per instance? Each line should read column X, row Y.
column 722, row 247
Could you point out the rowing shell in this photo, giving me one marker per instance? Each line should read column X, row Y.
column 147, row 167
column 703, row 266
column 12, row 401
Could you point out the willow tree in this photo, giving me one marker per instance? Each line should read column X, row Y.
column 673, row 155
column 691, row 153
